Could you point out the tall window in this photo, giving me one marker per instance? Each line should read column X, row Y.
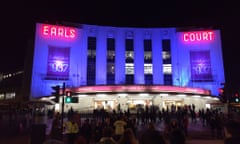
column 148, row 61
column 129, row 61
column 110, row 61
column 91, row 61
column 167, row 61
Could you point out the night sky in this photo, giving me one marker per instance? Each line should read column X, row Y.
column 18, row 23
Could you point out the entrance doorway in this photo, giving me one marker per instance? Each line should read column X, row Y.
column 172, row 104
column 104, row 104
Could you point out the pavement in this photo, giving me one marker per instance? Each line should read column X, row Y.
column 204, row 142
column 197, row 135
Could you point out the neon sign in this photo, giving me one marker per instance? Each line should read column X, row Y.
column 58, row 31
column 198, row 36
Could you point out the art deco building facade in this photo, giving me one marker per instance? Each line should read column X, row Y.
column 106, row 66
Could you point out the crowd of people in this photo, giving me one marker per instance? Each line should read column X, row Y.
column 118, row 126
column 122, row 127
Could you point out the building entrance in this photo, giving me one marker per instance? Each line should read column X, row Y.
column 171, row 103
column 105, row 104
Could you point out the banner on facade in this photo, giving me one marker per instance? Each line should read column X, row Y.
column 200, row 62
column 58, row 62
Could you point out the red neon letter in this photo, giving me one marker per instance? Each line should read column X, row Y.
column 205, row 36
column 210, row 35
column 60, row 32
column 185, row 37
column 53, row 31
column 45, row 30
column 72, row 33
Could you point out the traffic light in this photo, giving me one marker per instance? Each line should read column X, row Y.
column 56, row 92
column 222, row 95
column 236, row 98
column 68, row 98
column 74, row 99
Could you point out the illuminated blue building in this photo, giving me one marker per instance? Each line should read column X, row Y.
column 110, row 61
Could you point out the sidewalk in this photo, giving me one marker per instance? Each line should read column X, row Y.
column 197, row 134
column 201, row 135
column 204, row 141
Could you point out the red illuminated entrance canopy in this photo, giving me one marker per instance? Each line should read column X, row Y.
column 140, row 88
column 58, row 31
column 198, row 36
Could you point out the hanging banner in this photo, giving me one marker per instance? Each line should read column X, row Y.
column 58, row 62
column 200, row 66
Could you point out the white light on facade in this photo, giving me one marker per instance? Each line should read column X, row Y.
column 208, row 106
column 181, row 95
column 143, row 94
column 82, row 95
column 101, row 95
column 57, row 107
column 122, row 94
column 215, row 98
column 196, row 96
column 163, row 94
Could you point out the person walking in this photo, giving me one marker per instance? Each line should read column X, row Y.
column 56, row 129
column 128, row 137
column 71, row 129
column 176, row 135
column 119, row 125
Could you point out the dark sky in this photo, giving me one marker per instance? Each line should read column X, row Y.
column 18, row 22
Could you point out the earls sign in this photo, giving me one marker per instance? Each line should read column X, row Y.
column 55, row 31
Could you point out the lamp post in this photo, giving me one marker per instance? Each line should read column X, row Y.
column 62, row 114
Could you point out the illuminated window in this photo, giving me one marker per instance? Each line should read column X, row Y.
column 129, row 55
column 91, row 62
column 129, row 68
column 110, row 68
column 91, row 53
column 110, row 55
column 167, row 66
column 110, row 73
column 147, row 57
column 110, row 61
column 166, row 55
column 167, row 69
column 148, row 69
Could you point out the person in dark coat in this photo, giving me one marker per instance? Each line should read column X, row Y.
column 176, row 135
column 152, row 136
